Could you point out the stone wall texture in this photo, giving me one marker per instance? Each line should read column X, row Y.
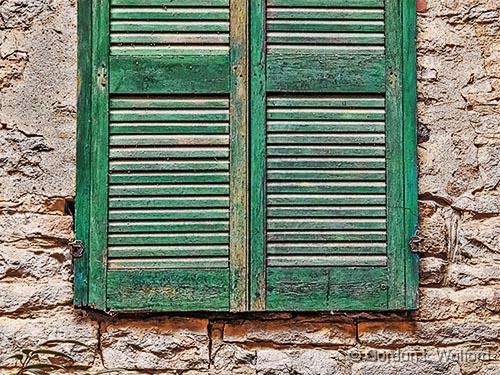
column 456, row 330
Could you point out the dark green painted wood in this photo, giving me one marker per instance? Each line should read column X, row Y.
column 140, row 3
column 99, row 151
column 83, row 176
column 181, row 74
column 172, row 251
column 327, row 288
column 395, row 151
column 344, row 69
column 325, row 3
column 257, row 217
column 193, row 200
column 410, row 149
column 175, row 290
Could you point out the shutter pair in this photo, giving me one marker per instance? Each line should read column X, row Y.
column 244, row 155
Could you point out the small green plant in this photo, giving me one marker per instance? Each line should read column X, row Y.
column 44, row 360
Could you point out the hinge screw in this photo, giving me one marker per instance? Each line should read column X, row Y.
column 77, row 249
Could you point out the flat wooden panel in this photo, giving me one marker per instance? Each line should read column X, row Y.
column 166, row 74
column 327, row 288
column 197, row 289
column 326, row 69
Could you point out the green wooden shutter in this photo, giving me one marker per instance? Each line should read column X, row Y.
column 330, row 124
column 165, row 102
column 245, row 155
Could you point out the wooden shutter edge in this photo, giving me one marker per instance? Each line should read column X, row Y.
column 257, row 156
column 239, row 105
column 98, row 202
column 396, row 246
column 410, row 149
column 83, row 141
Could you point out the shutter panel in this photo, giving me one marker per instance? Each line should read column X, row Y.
column 331, row 125
column 186, row 201
column 161, row 187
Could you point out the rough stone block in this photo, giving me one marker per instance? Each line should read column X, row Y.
column 447, row 303
column 427, row 367
column 24, row 298
column 34, row 262
column 16, row 334
column 450, row 332
column 36, row 229
column 291, row 332
column 303, row 362
column 465, row 275
column 170, row 344
column 432, row 271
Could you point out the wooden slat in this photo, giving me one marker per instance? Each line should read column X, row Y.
column 164, row 190
column 322, row 3
column 189, row 165
column 169, row 202
column 326, row 163
column 140, row 3
column 166, row 115
column 325, row 175
column 168, row 177
column 169, row 153
column 325, row 236
column 169, row 239
column 169, row 102
column 331, row 138
column 331, row 13
column 170, row 13
column 327, row 261
column 325, row 126
column 329, row 211
column 325, row 26
column 166, row 264
column 324, row 199
column 167, row 214
column 159, row 140
column 326, row 224
column 326, row 187
column 308, row 150
column 325, row 114
column 180, row 128
column 148, row 251
column 338, row 101
column 287, row 37
column 326, row 248
column 168, row 38
column 168, row 226
column 170, row 26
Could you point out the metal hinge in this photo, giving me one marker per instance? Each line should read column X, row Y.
column 102, row 76
column 77, row 249
column 415, row 242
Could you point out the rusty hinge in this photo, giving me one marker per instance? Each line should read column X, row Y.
column 415, row 242
column 77, row 249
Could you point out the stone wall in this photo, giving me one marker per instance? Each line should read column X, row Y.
column 456, row 330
